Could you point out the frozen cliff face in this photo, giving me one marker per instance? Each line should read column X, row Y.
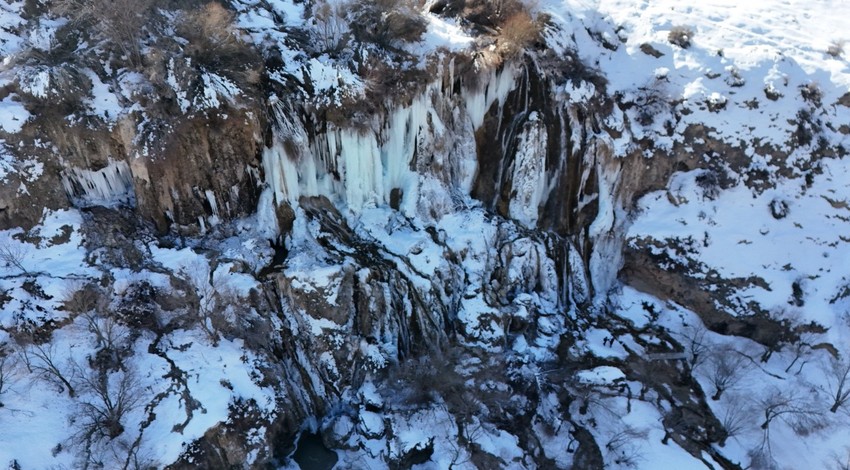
column 388, row 158
column 614, row 247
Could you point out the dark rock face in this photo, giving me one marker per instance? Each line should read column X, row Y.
column 208, row 167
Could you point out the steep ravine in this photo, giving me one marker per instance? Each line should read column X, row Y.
column 433, row 275
column 380, row 306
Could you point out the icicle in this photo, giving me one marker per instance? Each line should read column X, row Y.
column 496, row 89
column 108, row 186
column 529, row 173
column 213, row 203
column 358, row 168
column 607, row 244
column 266, row 215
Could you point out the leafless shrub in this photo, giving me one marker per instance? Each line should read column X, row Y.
column 841, row 460
column 332, row 31
column 761, row 459
column 837, row 374
column 724, row 369
column 43, row 361
column 105, row 400
column 7, row 370
column 623, row 447
column 213, row 305
column 696, row 344
column 517, row 32
column 681, row 36
column 738, row 417
column 13, row 254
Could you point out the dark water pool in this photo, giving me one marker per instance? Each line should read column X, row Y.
column 311, row 453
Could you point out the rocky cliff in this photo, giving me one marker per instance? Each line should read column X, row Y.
column 393, row 234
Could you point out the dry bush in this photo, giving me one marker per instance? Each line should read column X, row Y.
column 387, row 23
column 332, row 32
column 492, row 13
column 212, row 37
column 518, row 32
column 681, row 36
column 215, row 45
column 836, row 49
column 389, row 80
column 118, row 22
column 83, row 298
column 652, row 101
column 812, row 93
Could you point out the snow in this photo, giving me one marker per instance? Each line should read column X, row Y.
column 602, row 375
column 38, row 413
column 104, row 102
column 13, row 115
column 804, row 246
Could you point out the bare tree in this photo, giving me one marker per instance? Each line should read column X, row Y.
column 725, row 368
column 13, row 255
column 105, row 399
column 696, row 344
column 7, row 368
column 838, row 383
column 100, row 421
column 42, row 360
column 213, row 302
column 795, row 410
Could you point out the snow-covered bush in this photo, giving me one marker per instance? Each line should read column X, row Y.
column 53, row 90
